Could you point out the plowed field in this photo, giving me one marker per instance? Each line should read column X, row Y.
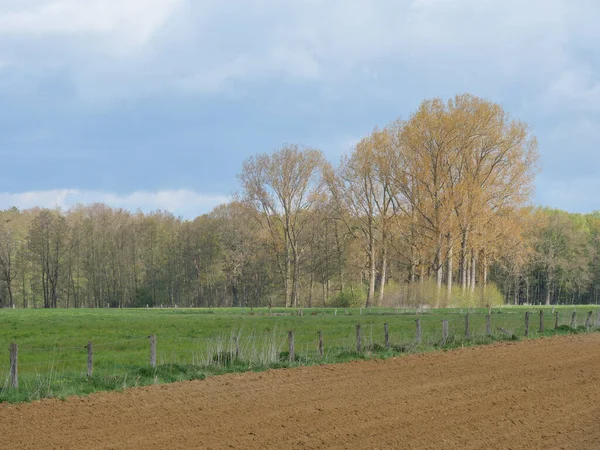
column 534, row 394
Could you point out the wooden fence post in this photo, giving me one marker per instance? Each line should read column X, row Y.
column 573, row 316
column 358, row 339
column 557, row 314
column 321, row 344
column 418, row 322
column 598, row 319
column 444, row 332
column 14, row 366
column 152, row 350
column 488, row 325
column 526, row 323
column 386, row 332
column 90, row 365
column 467, row 334
column 237, row 346
column 292, row 346
column 588, row 321
column 541, row 320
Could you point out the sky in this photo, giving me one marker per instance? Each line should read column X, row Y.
column 155, row 104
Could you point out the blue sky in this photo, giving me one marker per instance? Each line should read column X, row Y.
column 156, row 103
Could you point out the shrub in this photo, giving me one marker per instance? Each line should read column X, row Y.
column 349, row 299
column 426, row 294
column 477, row 299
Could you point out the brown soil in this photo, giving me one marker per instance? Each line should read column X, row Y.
column 532, row 394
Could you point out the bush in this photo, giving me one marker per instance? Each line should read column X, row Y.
column 477, row 299
column 349, row 299
column 143, row 297
column 426, row 294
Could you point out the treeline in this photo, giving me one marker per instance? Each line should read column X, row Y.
column 558, row 261
column 431, row 210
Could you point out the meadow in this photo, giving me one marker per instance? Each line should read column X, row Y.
column 195, row 343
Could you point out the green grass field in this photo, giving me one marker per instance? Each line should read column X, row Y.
column 194, row 343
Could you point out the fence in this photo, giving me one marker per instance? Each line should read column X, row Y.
column 266, row 348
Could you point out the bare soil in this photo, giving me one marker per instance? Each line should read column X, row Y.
column 526, row 395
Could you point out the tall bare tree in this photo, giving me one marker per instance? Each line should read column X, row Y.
column 281, row 188
column 362, row 191
column 459, row 165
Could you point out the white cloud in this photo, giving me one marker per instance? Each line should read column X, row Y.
column 186, row 203
column 123, row 24
column 206, row 45
column 211, row 46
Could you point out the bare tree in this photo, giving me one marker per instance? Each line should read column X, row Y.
column 281, row 188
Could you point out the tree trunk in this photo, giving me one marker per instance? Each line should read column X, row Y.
column 549, row 281
column 10, row 294
column 46, row 290
column 371, row 294
column 449, row 271
column 310, row 291
column 25, row 304
column 295, row 278
column 463, row 260
column 340, row 255
column 288, row 276
column 439, row 270
column 383, row 273
column 473, row 269
column 468, row 274
column 485, row 271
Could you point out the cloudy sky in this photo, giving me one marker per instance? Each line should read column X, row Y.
column 156, row 103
